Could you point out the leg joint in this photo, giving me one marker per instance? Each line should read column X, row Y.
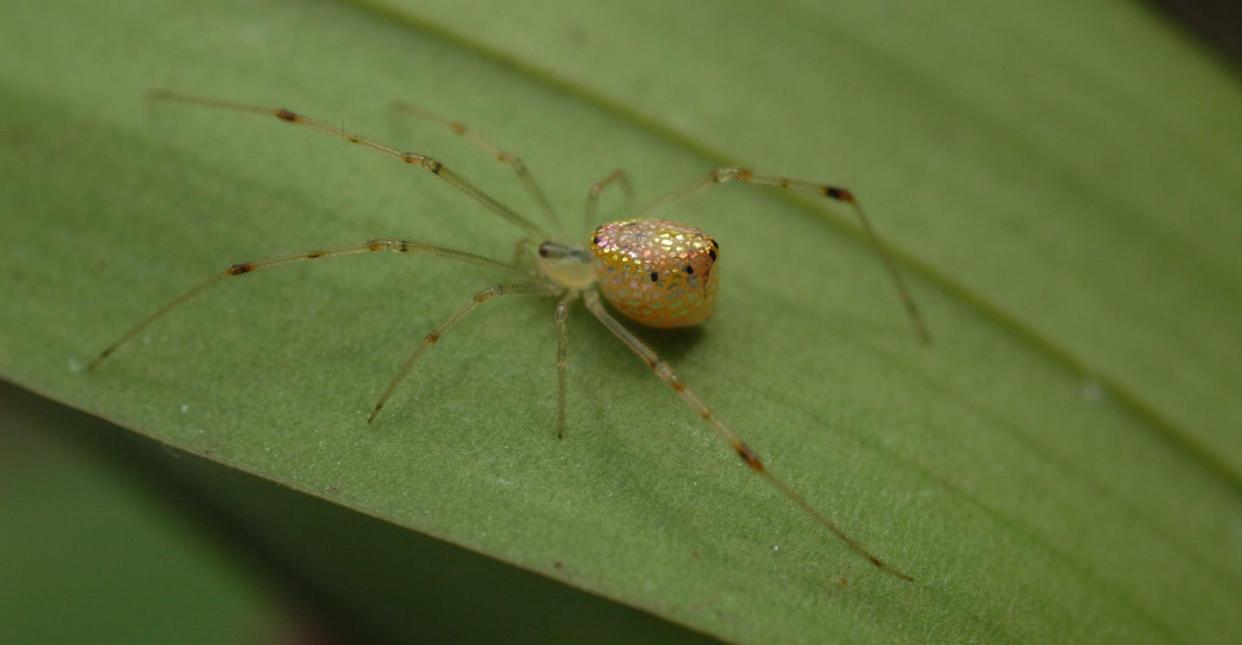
column 416, row 159
column 748, row 456
column 487, row 294
column 726, row 174
column 838, row 193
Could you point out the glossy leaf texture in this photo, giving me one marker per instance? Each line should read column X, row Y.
column 1058, row 183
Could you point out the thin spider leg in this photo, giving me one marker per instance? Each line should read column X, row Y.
column 534, row 288
column 666, row 374
column 521, row 251
column 458, row 128
column 617, row 177
column 562, row 356
column 413, row 158
column 843, row 195
column 372, row 246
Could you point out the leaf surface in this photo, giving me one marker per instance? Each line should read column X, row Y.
column 1062, row 463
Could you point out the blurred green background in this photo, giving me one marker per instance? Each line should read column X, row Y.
column 106, row 536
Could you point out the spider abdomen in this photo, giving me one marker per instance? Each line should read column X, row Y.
column 658, row 273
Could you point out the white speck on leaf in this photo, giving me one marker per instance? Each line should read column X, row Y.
column 1091, row 391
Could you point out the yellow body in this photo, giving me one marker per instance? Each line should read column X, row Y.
column 657, row 273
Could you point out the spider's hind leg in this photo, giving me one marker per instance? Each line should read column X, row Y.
column 726, row 174
column 617, row 178
column 666, row 373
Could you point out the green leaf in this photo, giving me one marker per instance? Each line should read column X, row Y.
column 1059, row 183
column 348, row 577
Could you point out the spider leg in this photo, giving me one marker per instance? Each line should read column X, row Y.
column 562, row 356
column 670, row 377
column 413, row 158
column 617, row 177
column 533, row 288
column 513, row 161
column 836, row 193
column 243, row 268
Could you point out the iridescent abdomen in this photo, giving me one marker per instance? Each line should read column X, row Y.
column 656, row 272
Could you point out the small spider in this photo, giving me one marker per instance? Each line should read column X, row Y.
column 657, row 273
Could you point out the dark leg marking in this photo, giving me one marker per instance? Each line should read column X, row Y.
column 596, row 307
column 748, row 456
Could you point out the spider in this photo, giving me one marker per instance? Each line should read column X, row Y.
column 655, row 272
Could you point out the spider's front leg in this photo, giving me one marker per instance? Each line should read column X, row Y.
column 416, row 159
column 246, row 268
